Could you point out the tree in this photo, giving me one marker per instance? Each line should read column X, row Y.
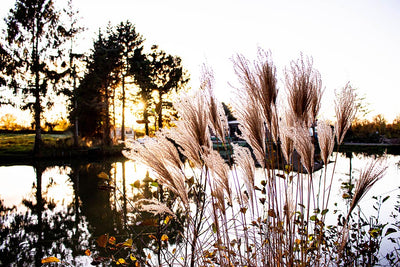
column 36, row 35
column 130, row 46
column 162, row 73
column 5, row 69
column 96, row 89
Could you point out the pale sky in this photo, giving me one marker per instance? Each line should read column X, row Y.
column 354, row 41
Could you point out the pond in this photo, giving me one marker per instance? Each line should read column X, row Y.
column 64, row 209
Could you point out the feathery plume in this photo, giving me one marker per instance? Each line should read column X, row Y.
column 169, row 151
column 304, row 89
column 286, row 126
column 252, row 126
column 326, row 140
column 304, row 146
column 373, row 171
column 153, row 206
column 192, row 132
column 267, row 90
column 217, row 117
column 220, row 169
column 260, row 83
column 150, row 154
column 345, row 108
column 246, row 166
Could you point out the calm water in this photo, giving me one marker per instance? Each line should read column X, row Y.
column 82, row 201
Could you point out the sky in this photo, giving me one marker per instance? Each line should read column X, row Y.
column 354, row 41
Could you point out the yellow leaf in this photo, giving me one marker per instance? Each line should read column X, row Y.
column 103, row 175
column 298, row 241
column 50, row 259
column 87, row 252
column 164, row 237
column 133, row 258
column 128, row 243
column 137, row 264
column 166, row 221
column 153, row 237
column 111, row 240
column 121, row 261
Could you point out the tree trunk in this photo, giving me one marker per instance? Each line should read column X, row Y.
column 123, row 109
column 107, row 137
column 37, row 106
column 38, row 132
column 76, row 122
column 160, row 118
column 145, row 117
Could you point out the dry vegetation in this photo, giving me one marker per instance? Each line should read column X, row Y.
column 237, row 214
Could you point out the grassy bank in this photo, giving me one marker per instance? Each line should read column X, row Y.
column 19, row 146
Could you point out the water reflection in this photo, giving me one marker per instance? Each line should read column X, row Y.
column 64, row 209
column 42, row 229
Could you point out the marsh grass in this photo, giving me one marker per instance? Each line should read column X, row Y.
column 237, row 214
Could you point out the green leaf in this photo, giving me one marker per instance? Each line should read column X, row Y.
column 313, row 218
column 214, row 228
column 155, row 184
column 325, row 211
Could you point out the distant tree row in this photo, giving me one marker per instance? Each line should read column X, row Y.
column 375, row 130
column 37, row 60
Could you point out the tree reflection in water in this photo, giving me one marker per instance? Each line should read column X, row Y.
column 42, row 231
column 102, row 205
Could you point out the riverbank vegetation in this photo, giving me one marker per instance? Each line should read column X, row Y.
column 239, row 215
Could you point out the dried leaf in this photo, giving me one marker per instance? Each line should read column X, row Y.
column 88, row 252
column 103, row 175
column 102, row 240
column 271, row 213
column 167, row 219
column 390, row 231
column 50, row 260
column 136, row 184
column 128, row 243
column 133, row 258
column 121, row 261
column 111, row 240
column 164, row 238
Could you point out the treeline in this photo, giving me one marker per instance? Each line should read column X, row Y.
column 377, row 130
column 38, row 62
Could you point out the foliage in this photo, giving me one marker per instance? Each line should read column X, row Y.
column 376, row 130
column 131, row 50
column 160, row 73
column 35, row 36
column 95, row 90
